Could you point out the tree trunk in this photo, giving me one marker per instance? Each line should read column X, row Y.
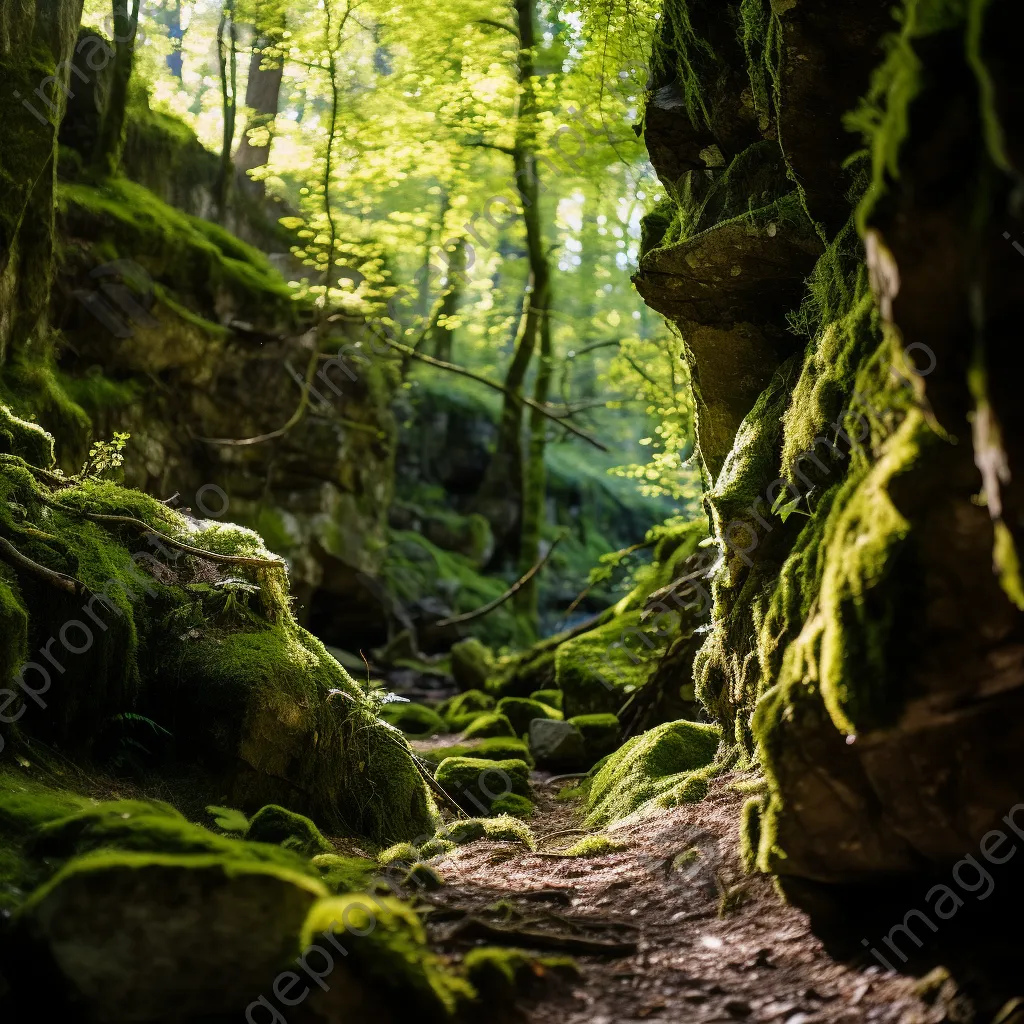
column 228, row 64
column 501, row 496
column 110, row 139
column 441, row 336
column 262, row 96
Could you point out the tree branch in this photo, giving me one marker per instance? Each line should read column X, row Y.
column 510, row 29
column 14, row 557
column 485, row 609
column 462, row 372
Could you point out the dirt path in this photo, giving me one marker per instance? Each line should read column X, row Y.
column 708, row 942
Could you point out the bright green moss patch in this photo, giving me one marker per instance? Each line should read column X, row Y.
column 474, row 784
column 489, row 724
column 388, row 952
column 750, row 832
column 520, row 711
column 465, row 705
column 273, row 824
column 345, row 874
column 646, row 768
column 500, row 974
column 436, row 848
column 490, row 748
column 400, row 853
column 25, row 439
column 414, row 720
column 514, row 806
column 501, row 829
column 594, row 846
column 552, row 698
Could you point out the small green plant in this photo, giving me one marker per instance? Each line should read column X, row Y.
column 228, row 819
column 105, row 456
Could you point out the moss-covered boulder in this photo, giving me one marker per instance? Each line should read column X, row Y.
column 472, row 663
column 490, row 748
column 273, row 824
column 387, row 967
column 513, row 805
column 474, row 784
column 345, row 873
column 499, row 829
column 552, row 698
column 656, row 769
column 415, row 720
column 219, row 929
column 461, row 710
column 489, row 724
column 520, row 711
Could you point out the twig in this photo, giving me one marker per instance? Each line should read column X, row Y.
column 560, row 778
column 491, row 605
column 452, row 368
column 13, row 556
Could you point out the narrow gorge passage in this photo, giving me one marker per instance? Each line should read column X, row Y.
column 511, row 511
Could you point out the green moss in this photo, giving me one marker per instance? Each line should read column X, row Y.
column 490, row 748
column 552, row 698
column 400, row 853
column 514, row 806
column 500, row 829
column 423, row 876
column 1007, row 564
column 600, row 733
column 273, row 824
column 489, row 724
column 500, row 974
column 345, row 874
column 25, row 439
column 388, row 952
column 436, row 848
column 472, row 663
column 750, row 832
column 414, row 719
column 520, row 711
column 474, row 783
column 652, row 769
column 594, row 846
column 192, row 256
column 472, row 702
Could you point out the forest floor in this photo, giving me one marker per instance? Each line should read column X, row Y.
column 669, row 928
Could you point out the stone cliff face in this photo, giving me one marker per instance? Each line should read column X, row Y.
column 849, row 307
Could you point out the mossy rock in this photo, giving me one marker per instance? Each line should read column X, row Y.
column 218, row 928
column 489, row 724
column 25, row 439
column 520, row 711
column 492, row 748
column 474, row 783
column 388, row 966
column 519, row 675
column 552, row 698
column 601, row 734
column 597, row 671
column 149, row 826
column 594, row 846
column 500, row 974
column 436, row 848
column 472, row 663
column 423, row 876
column 416, row 720
column 273, row 824
column 652, row 769
column 500, row 829
column 400, row 853
column 345, row 874
column 514, row 806
column 460, row 710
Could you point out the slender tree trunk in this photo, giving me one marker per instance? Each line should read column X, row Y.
column 501, row 496
column 110, row 138
column 227, row 59
column 262, row 96
column 441, row 340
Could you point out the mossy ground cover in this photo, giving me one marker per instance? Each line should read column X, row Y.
column 656, row 769
column 475, row 783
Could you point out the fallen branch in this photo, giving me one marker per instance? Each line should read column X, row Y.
column 491, row 605
column 14, row 557
column 523, row 399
